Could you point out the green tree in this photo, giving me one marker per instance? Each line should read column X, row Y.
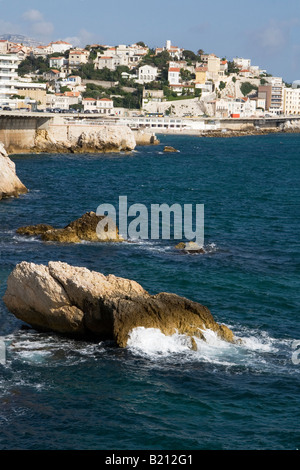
column 190, row 55
column 247, row 87
column 186, row 75
column 232, row 68
column 33, row 65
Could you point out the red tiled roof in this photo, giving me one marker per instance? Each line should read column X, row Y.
column 60, row 42
column 174, row 69
column 74, row 94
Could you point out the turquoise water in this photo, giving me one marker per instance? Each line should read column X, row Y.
column 158, row 394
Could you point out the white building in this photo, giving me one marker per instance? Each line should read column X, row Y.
column 242, row 107
column 78, row 57
column 104, row 106
column 110, row 61
column 131, row 55
column 174, row 51
column 57, row 62
column 8, row 76
column 74, row 82
column 292, row 101
column 60, row 46
column 42, row 51
column 242, row 63
column 147, row 74
column 174, row 75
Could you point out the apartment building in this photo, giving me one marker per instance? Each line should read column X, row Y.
column 292, row 101
column 8, row 76
column 273, row 93
column 32, row 91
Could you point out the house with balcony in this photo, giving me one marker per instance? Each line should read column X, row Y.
column 103, row 106
column 53, row 74
column 57, row 62
column 147, row 74
column 42, row 51
column 63, row 100
column 78, row 57
column 111, row 61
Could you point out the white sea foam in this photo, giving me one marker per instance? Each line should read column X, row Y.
column 257, row 352
column 152, row 342
column 32, row 347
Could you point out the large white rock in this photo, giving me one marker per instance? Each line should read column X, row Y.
column 75, row 300
column 108, row 138
column 10, row 185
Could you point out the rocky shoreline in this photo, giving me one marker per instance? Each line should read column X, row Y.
column 246, row 133
column 10, row 184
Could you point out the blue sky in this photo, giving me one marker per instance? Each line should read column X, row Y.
column 265, row 31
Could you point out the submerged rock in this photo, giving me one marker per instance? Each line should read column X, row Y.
column 86, row 228
column 10, row 184
column 76, row 301
column 190, row 247
column 168, row 148
column 32, row 230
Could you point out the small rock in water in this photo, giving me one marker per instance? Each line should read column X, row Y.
column 190, row 247
column 168, row 148
column 84, row 228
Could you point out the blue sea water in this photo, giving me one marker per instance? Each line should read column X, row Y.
column 57, row 393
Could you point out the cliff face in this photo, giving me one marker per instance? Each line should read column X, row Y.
column 10, row 185
column 93, row 139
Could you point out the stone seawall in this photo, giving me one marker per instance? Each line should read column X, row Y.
column 18, row 132
column 38, row 133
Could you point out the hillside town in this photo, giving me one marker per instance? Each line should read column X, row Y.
column 131, row 80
